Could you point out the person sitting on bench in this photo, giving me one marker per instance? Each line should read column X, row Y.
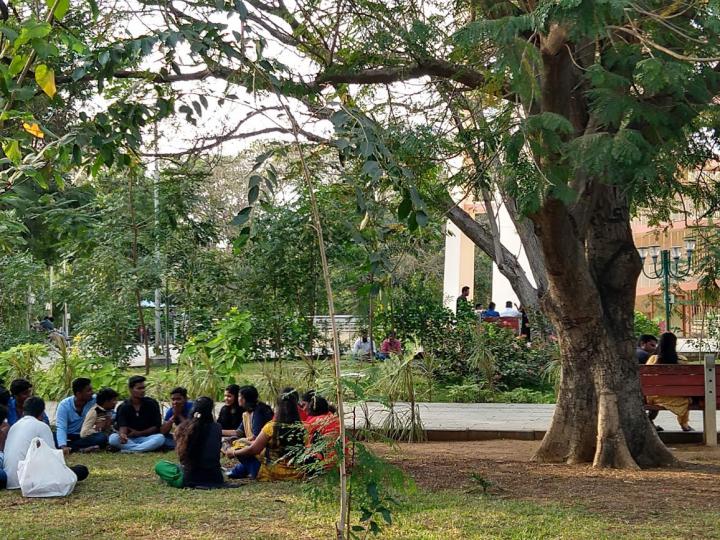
column 138, row 420
column 667, row 354
column 21, row 435
column 71, row 413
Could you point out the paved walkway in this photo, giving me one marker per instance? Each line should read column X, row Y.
column 446, row 421
column 463, row 421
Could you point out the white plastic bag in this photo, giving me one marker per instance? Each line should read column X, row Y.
column 43, row 472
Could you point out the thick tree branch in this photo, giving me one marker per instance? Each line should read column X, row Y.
column 430, row 68
column 511, row 268
column 147, row 75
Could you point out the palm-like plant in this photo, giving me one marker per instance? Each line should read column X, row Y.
column 396, row 381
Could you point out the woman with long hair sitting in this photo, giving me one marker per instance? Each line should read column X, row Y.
column 667, row 354
column 275, row 451
column 198, row 442
column 323, row 427
column 231, row 414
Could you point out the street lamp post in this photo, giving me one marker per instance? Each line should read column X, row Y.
column 670, row 267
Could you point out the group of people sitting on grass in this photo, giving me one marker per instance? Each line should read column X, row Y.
column 299, row 434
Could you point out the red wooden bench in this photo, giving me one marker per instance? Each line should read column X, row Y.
column 511, row 323
column 686, row 380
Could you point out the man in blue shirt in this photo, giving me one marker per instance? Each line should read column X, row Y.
column 176, row 414
column 69, row 419
column 489, row 312
column 21, row 390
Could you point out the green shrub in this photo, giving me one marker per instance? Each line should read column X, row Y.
column 525, row 395
column 470, row 392
column 645, row 325
column 21, row 361
column 212, row 359
column 72, row 362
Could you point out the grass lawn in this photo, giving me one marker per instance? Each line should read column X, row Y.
column 122, row 499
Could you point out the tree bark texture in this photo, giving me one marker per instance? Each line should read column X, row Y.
column 592, row 270
column 599, row 414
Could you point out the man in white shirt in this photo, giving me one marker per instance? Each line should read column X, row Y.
column 510, row 311
column 21, row 435
column 363, row 348
column 4, row 428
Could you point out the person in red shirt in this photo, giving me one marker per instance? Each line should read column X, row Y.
column 391, row 345
column 323, row 428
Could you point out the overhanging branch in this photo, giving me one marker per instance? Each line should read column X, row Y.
column 430, row 68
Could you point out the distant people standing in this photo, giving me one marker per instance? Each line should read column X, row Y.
column 646, row 347
column 462, row 301
column 391, row 345
column 490, row 311
column 510, row 311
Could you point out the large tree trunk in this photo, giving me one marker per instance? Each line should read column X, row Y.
column 592, row 274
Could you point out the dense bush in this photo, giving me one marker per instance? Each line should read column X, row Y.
column 211, row 359
column 21, row 361
column 471, row 392
column 645, row 325
column 475, row 357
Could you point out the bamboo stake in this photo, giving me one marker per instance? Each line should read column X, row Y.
column 341, row 524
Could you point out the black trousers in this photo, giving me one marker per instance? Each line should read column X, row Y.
column 96, row 439
column 81, row 471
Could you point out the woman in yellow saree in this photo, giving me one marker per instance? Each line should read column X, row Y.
column 270, row 456
column 667, row 354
